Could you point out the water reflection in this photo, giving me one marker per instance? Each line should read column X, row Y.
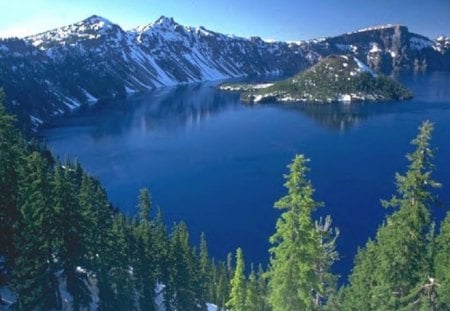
column 188, row 105
column 165, row 108
column 339, row 117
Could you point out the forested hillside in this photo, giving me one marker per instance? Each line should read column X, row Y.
column 63, row 246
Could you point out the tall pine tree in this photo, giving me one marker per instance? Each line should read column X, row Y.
column 144, row 262
column 237, row 301
column 70, row 230
column 293, row 280
column 34, row 275
column 397, row 262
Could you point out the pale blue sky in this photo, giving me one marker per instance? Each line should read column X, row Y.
column 270, row 19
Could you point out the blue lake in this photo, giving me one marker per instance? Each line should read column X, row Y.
column 218, row 164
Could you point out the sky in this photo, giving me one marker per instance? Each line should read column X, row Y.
column 270, row 19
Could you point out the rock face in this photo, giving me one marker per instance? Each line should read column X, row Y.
column 336, row 78
column 56, row 71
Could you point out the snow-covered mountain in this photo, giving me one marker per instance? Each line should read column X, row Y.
column 56, row 71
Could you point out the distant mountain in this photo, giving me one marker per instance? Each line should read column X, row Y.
column 335, row 78
column 57, row 71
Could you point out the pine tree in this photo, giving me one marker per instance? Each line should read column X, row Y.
column 205, row 270
column 442, row 264
column 120, row 269
column 144, row 205
column 161, row 248
column 144, row 263
column 11, row 151
column 358, row 295
column 70, row 229
column 182, row 288
column 296, row 245
column 97, row 218
column 34, row 275
column 237, row 298
column 263, row 289
column 328, row 255
column 254, row 296
column 398, row 262
column 221, row 290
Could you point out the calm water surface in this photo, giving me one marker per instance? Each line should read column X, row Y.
column 218, row 164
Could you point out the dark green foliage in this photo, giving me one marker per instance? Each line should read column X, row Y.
column 11, row 151
column 206, row 268
column 71, row 230
column 144, row 262
column 184, row 286
column 144, row 205
column 119, row 283
column 33, row 276
column 58, row 228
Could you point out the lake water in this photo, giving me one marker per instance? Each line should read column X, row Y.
column 218, row 164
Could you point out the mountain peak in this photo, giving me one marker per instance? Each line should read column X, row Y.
column 381, row 27
column 96, row 19
column 165, row 21
column 162, row 22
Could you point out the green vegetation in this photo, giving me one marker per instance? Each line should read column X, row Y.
column 59, row 233
column 334, row 78
column 59, row 236
column 294, row 279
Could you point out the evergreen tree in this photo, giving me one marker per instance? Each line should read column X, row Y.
column 120, row 269
column 34, row 278
column 358, row 295
column 293, row 280
column 325, row 260
column 144, row 263
column 238, row 285
column 161, row 248
column 398, row 261
column 70, row 229
column 144, row 205
column 221, row 281
column 254, row 296
column 442, row 264
column 263, row 289
column 97, row 218
column 205, row 270
column 182, row 289
column 11, row 151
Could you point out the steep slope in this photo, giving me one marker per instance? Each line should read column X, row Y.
column 57, row 71
column 388, row 48
column 335, row 78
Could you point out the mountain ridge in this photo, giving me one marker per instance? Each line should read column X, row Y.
column 54, row 72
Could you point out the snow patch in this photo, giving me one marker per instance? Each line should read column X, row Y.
column 375, row 48
column 419, row 44
column 377, row 27
column 363, row 68
column 36, row 121
column 89, row 96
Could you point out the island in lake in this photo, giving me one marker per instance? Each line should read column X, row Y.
column 336, row 78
